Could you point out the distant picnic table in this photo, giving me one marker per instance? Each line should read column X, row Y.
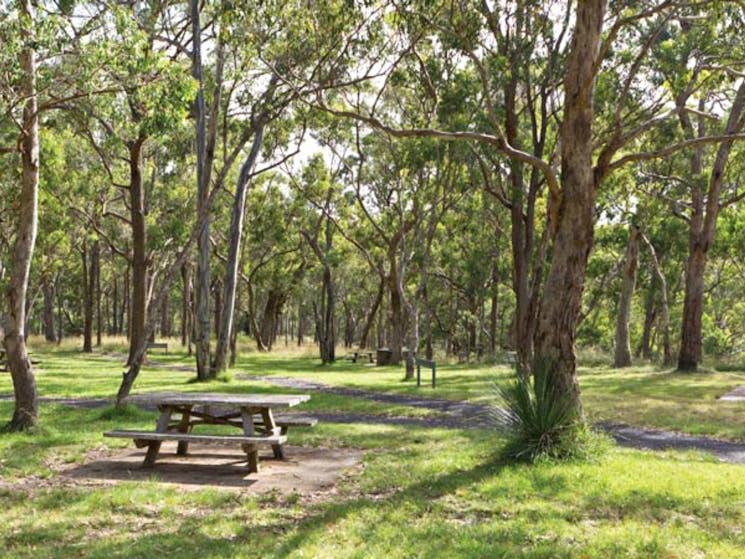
column 158, row 345
column 4, row 363
column 357, row 355
column 252, row 413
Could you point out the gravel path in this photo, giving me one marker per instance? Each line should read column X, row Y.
column 462, row 414
column 455, row 414
column 653, row 439
column 736, row 395
column 473, row 416
column 466, row 414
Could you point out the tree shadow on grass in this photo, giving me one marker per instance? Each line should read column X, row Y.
column 270, row 537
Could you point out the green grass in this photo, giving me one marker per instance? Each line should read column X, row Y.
column 665, row 399
column 644, row 396
column 422, row 492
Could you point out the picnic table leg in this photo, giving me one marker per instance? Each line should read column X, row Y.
column 251, row 450
column 152, row 454
column 253, row 457
column 184, row 427
column 272, row 429
column 153, row 447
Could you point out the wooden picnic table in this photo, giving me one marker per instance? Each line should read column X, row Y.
column 356, row 355
column 252, row 413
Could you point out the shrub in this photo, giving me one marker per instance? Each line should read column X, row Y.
column 540, row 423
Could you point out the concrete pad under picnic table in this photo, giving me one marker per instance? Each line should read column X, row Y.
column 304, row 470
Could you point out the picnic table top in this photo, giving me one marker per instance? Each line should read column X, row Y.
column 218, row 399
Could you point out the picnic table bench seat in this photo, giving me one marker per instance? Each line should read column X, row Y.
column 284, row 422
column 158, row 345
column 153, row 440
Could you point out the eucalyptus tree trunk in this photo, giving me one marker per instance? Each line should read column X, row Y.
column 326, row 322
column 165, row 318
column 138, row 300
column 49, row 331
column 428, row 347
column 96, row 265
column 230, row 281
column 523, row 322
column 644, row 349
column 494, row 310
column 115, row 307
column 667, row 357
column 300, row 320
column 528, row 254
column 382, row 327
column 326, row 316
column 396, row 339
column 91, row 299
column 574, row 213
column 233, row 347
column 60, row 308
column 272, row 309
column 126, row 310
column 690, row 354
column 705, row 211
column 88, row 283
column 350, row 325
column 412, row 340
column 370, row 319
column 26, row 412
column 450, row 342
column 622, row 356
column 217, row 289
column 133, row 368
column 186, row 315
column 202, row 284
column 422, row 295
column 329, row 291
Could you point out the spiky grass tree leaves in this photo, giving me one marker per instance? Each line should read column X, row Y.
column 541, row 422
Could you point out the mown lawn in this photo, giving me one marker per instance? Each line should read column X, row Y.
column 422, row 492
column 644, row 396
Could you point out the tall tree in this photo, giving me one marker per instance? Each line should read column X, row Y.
column 622, row 357
column 26, row 412
column 715, row 92
column 320, row 238
column 593, row 141
column 707, row 202
column 204, row 159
